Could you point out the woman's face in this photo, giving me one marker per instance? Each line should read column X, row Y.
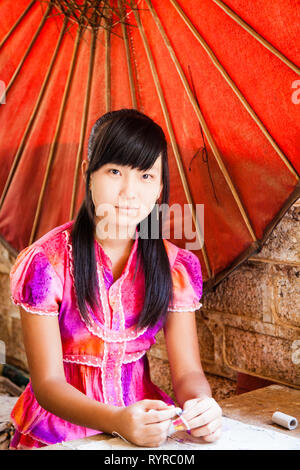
column 123, row 196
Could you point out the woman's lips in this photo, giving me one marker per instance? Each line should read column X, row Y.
column 127, row 209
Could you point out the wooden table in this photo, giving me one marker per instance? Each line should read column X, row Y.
column 254, row 407
column 258, row 406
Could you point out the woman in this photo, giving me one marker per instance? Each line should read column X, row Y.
column 94, row 292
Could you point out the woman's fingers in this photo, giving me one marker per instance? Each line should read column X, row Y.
column 210, row 437
column 207, row 429
column 156, row 416
column 195, row 407
column 205, row 418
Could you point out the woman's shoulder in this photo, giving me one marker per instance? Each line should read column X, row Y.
column 54, row 242
column 37, row 276
column 56, row 237
column 51, row 246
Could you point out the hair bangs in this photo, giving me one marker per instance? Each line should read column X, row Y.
column 132, row 141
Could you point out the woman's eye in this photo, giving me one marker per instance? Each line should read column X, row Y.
column 147, row 174
column 114, row 169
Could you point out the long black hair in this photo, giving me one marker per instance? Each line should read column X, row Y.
column 125, row 137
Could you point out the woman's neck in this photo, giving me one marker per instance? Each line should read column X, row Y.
column 119, row 246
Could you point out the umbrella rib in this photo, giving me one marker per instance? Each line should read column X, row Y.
column 127, row 52
column 257, row 36
column 84, row 120
column 57, row 130
column 107, row 68
column 32, row 118
column 235, row 89
column 26, row 52
column 202, row 121
column 16, row 24
column 172, row 138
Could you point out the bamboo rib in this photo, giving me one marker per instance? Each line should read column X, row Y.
column 172, row 138
column 129, row 67
column 26, row 53
column 234, row 88
column 16, row 24
column 257, row 36
column 202, row 120
column 32, row 119
column 107, row 68
column 57, row 130
column 84, row 121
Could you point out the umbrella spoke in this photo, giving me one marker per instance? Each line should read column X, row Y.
column 31, row 121
column 53, row 143
column 16, row 24
column 127, row 52
column 257, row 36
column 178, row 158
column 84, row 121
column 235, row 89
column 206, row 130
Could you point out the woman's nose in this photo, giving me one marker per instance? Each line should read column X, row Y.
column 128, row 189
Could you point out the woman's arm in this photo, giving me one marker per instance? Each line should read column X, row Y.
column 187, row 374
column 200, row 411
column 44, row 354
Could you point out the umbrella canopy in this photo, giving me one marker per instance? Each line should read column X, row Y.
column 222, row 80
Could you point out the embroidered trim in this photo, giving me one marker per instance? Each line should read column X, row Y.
column 107, row 335
column 31, row 309
column 83, row 360
column 94, row 361
column 132, row 357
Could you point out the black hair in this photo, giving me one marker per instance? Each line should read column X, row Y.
column 126, row 137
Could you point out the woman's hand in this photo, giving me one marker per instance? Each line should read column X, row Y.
column 145, row 423
column 204, row 416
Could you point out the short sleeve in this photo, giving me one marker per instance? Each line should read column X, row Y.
column 187, row 282
column 34, row 284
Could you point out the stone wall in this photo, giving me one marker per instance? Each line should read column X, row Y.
column 249, row 324
column 10, row 325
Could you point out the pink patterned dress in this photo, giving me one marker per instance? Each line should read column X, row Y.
column 106, row 360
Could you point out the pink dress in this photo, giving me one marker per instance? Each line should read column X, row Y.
column 106, row 360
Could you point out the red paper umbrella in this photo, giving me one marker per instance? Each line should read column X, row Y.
column 222, row 80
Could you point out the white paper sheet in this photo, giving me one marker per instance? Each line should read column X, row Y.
column 235, row 436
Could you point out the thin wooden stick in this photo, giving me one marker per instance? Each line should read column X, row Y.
column 129, row 66
column 16, row 24
column 53, row 144
column 257, row 36
column 30, row 124
column 173, row 140
column 235, row 89
column 12, row 80
column 84, row 122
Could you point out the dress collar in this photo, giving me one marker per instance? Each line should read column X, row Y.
column 105, row 260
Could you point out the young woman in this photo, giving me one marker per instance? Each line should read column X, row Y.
column 95, row 291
